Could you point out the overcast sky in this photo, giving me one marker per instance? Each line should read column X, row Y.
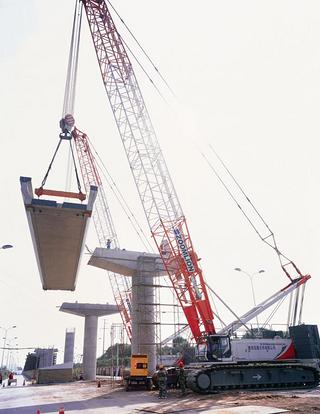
column 246, row 77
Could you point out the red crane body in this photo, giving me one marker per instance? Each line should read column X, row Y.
column 171, row 234
column 158, row 196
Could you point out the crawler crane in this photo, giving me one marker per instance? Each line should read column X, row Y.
column 170, row 231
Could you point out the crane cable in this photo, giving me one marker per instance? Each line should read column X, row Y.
column 273, row 243
column 142, row 49
column 70, row 86
column 69, row 94
column 122, row 201
column 143, row 69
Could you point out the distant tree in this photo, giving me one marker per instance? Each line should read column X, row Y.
column 182, row 347
column 263, row 333
column 179, row 344
column 122, row 351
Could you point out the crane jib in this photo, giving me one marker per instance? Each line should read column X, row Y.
column 183, row 248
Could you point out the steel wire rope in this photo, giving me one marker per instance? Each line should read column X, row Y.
column 273, row 312
column 70, row 86
column 50, row 165
column 229, row 192
column 143, row 50
column 216, row 313
column 75, row 167
column 68, row 177
column 227, row 306
column 143, row 69
column 264, row 239
column 124, row 205
column 252, row 205
column 69, row 95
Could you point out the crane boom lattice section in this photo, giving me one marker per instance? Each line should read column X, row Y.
column 155, row 187
column 152, row 178
column 104, row 226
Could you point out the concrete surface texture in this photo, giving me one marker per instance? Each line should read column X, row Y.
column 69, row 345
column 58, row 232
column 124, row 262
column 90, row 312
column 86, row 398
column 86, row 309
column 144, row 312
column 90, row 347
column 142, row 267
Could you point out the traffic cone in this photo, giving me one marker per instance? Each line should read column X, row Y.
column 99, row 384
column 61, row 411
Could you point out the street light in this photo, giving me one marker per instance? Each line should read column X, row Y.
column 250, row 275
column 6, row 246
column 5, row 340
column 10, row 351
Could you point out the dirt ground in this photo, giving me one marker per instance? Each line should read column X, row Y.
column 87, row 397
column 307, row 402
column 294, row 401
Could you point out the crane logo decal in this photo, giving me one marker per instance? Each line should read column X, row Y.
column 184, row 250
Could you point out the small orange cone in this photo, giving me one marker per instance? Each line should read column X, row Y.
column 61, row 411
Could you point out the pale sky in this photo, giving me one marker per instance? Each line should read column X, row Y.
column 246, row 77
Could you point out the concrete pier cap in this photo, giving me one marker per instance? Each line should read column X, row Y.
column 90, row 312
column 125, row 262
column 142, row 268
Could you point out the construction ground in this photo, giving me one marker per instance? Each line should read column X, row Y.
column 86, row 398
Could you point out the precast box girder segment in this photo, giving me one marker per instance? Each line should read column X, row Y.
column 58, row 232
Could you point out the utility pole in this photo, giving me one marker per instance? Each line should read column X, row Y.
column 104, row 336
column 5, row 338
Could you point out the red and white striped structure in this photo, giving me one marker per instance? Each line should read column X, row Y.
column 121, row 286
column 155, row 187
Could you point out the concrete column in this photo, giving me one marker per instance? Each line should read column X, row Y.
column 143, row 310
column 142, row 268
column 91, row 312
column 69, row 346
column 90, row 347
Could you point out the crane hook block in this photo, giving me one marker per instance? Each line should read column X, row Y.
column 58, row 233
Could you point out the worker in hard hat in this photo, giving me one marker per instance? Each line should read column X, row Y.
column 162, row 382
column 182, row 378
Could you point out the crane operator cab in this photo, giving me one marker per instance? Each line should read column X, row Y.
column 216, row 348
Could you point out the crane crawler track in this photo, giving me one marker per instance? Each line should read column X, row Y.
column 252, row 376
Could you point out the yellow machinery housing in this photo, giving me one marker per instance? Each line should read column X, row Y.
column 139, row 376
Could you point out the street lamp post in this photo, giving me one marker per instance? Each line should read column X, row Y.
column 251, row 275
column 9, row 345
column 5, row 340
